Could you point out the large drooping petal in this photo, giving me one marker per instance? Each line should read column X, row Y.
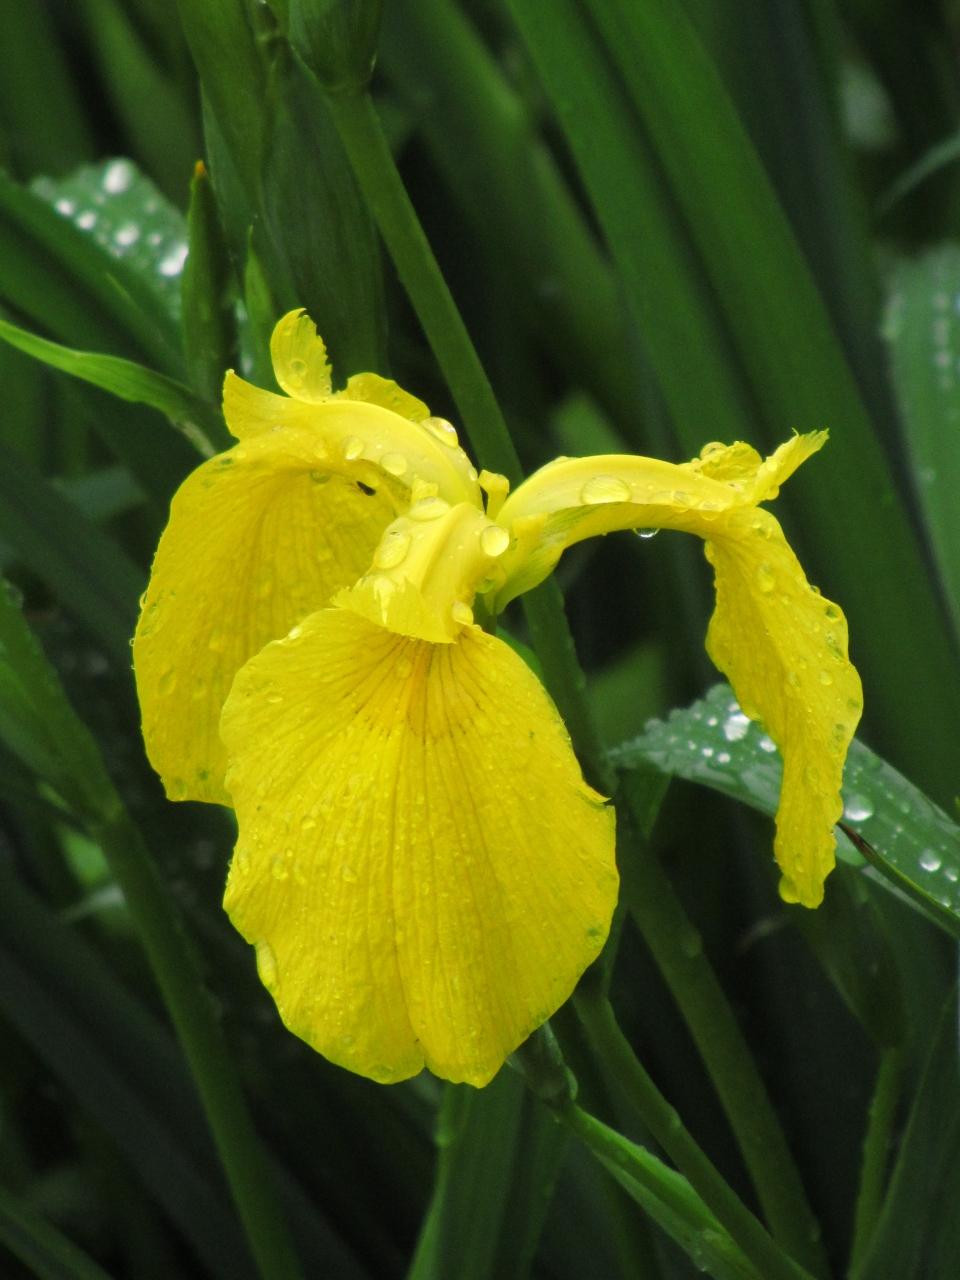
column 420, row 865
column 257, row 538
column 783, row 646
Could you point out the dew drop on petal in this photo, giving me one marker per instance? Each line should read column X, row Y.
column 462, row 614
column 766, row 578
column 392, row 549
column 601, row 489
column 646, row 533
column 858, row 808
column 428, row 509
column 444, row 431
column 352, row 448
column 494, row 540
column 394, row 463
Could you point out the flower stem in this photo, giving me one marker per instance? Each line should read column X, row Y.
column 171, row 957
column 876, row 1151
column 678, row 951
column 667, row 1129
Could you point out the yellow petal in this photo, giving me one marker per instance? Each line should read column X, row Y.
column 783, row 647
column 258, row 538
column 300, row 358
column 251, row 411
column 386, row 393
column 420, row 864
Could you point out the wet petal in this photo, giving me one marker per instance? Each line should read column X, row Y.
column 258, row 537
column 783, row 647
column 300, row 358
column 420, row 864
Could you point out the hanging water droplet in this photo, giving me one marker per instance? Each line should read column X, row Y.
column 494, row 540
column 646, row 533
column 267, row 965
column 352, row 448
column 601, row 489
column 392, row 550
column 766, row 578
column 858, row 808
column 395, row 464
column 930, row 860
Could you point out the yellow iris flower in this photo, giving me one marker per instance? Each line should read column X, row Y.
column 420, row 865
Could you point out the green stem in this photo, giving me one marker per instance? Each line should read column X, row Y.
column 876, row 1151
column 678, row 951
column 667, row 1129
column 171, row 958
column 368, row 151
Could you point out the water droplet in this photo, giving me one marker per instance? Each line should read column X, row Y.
column 646, row 533
column 462, row 614
column 308, row 823
column 352, row 448
column 64, row 206
column 494, row 540
column 735, row 727
column 296, row 371
column 826, row 678
column 601, row 489
column 294, row 633
column 428, row 509
column 279, row 869
column 707, row 752
column 172, row 262
column 117, row 176
column 347, row 873
column 723, row 757
column 444, row 431
column 267, row 966
column 167, row 682
column 930, row 860
column 274, row 698
column 858, row 808
column 952, row 874
column 767, row 743
column 87, row 220
column 395, row 464
column 392, row 550
column 127, row 234
column 766, row 578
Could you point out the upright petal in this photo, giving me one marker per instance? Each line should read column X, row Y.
column 300, row 358
column 420, row 864
column 783, row 646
